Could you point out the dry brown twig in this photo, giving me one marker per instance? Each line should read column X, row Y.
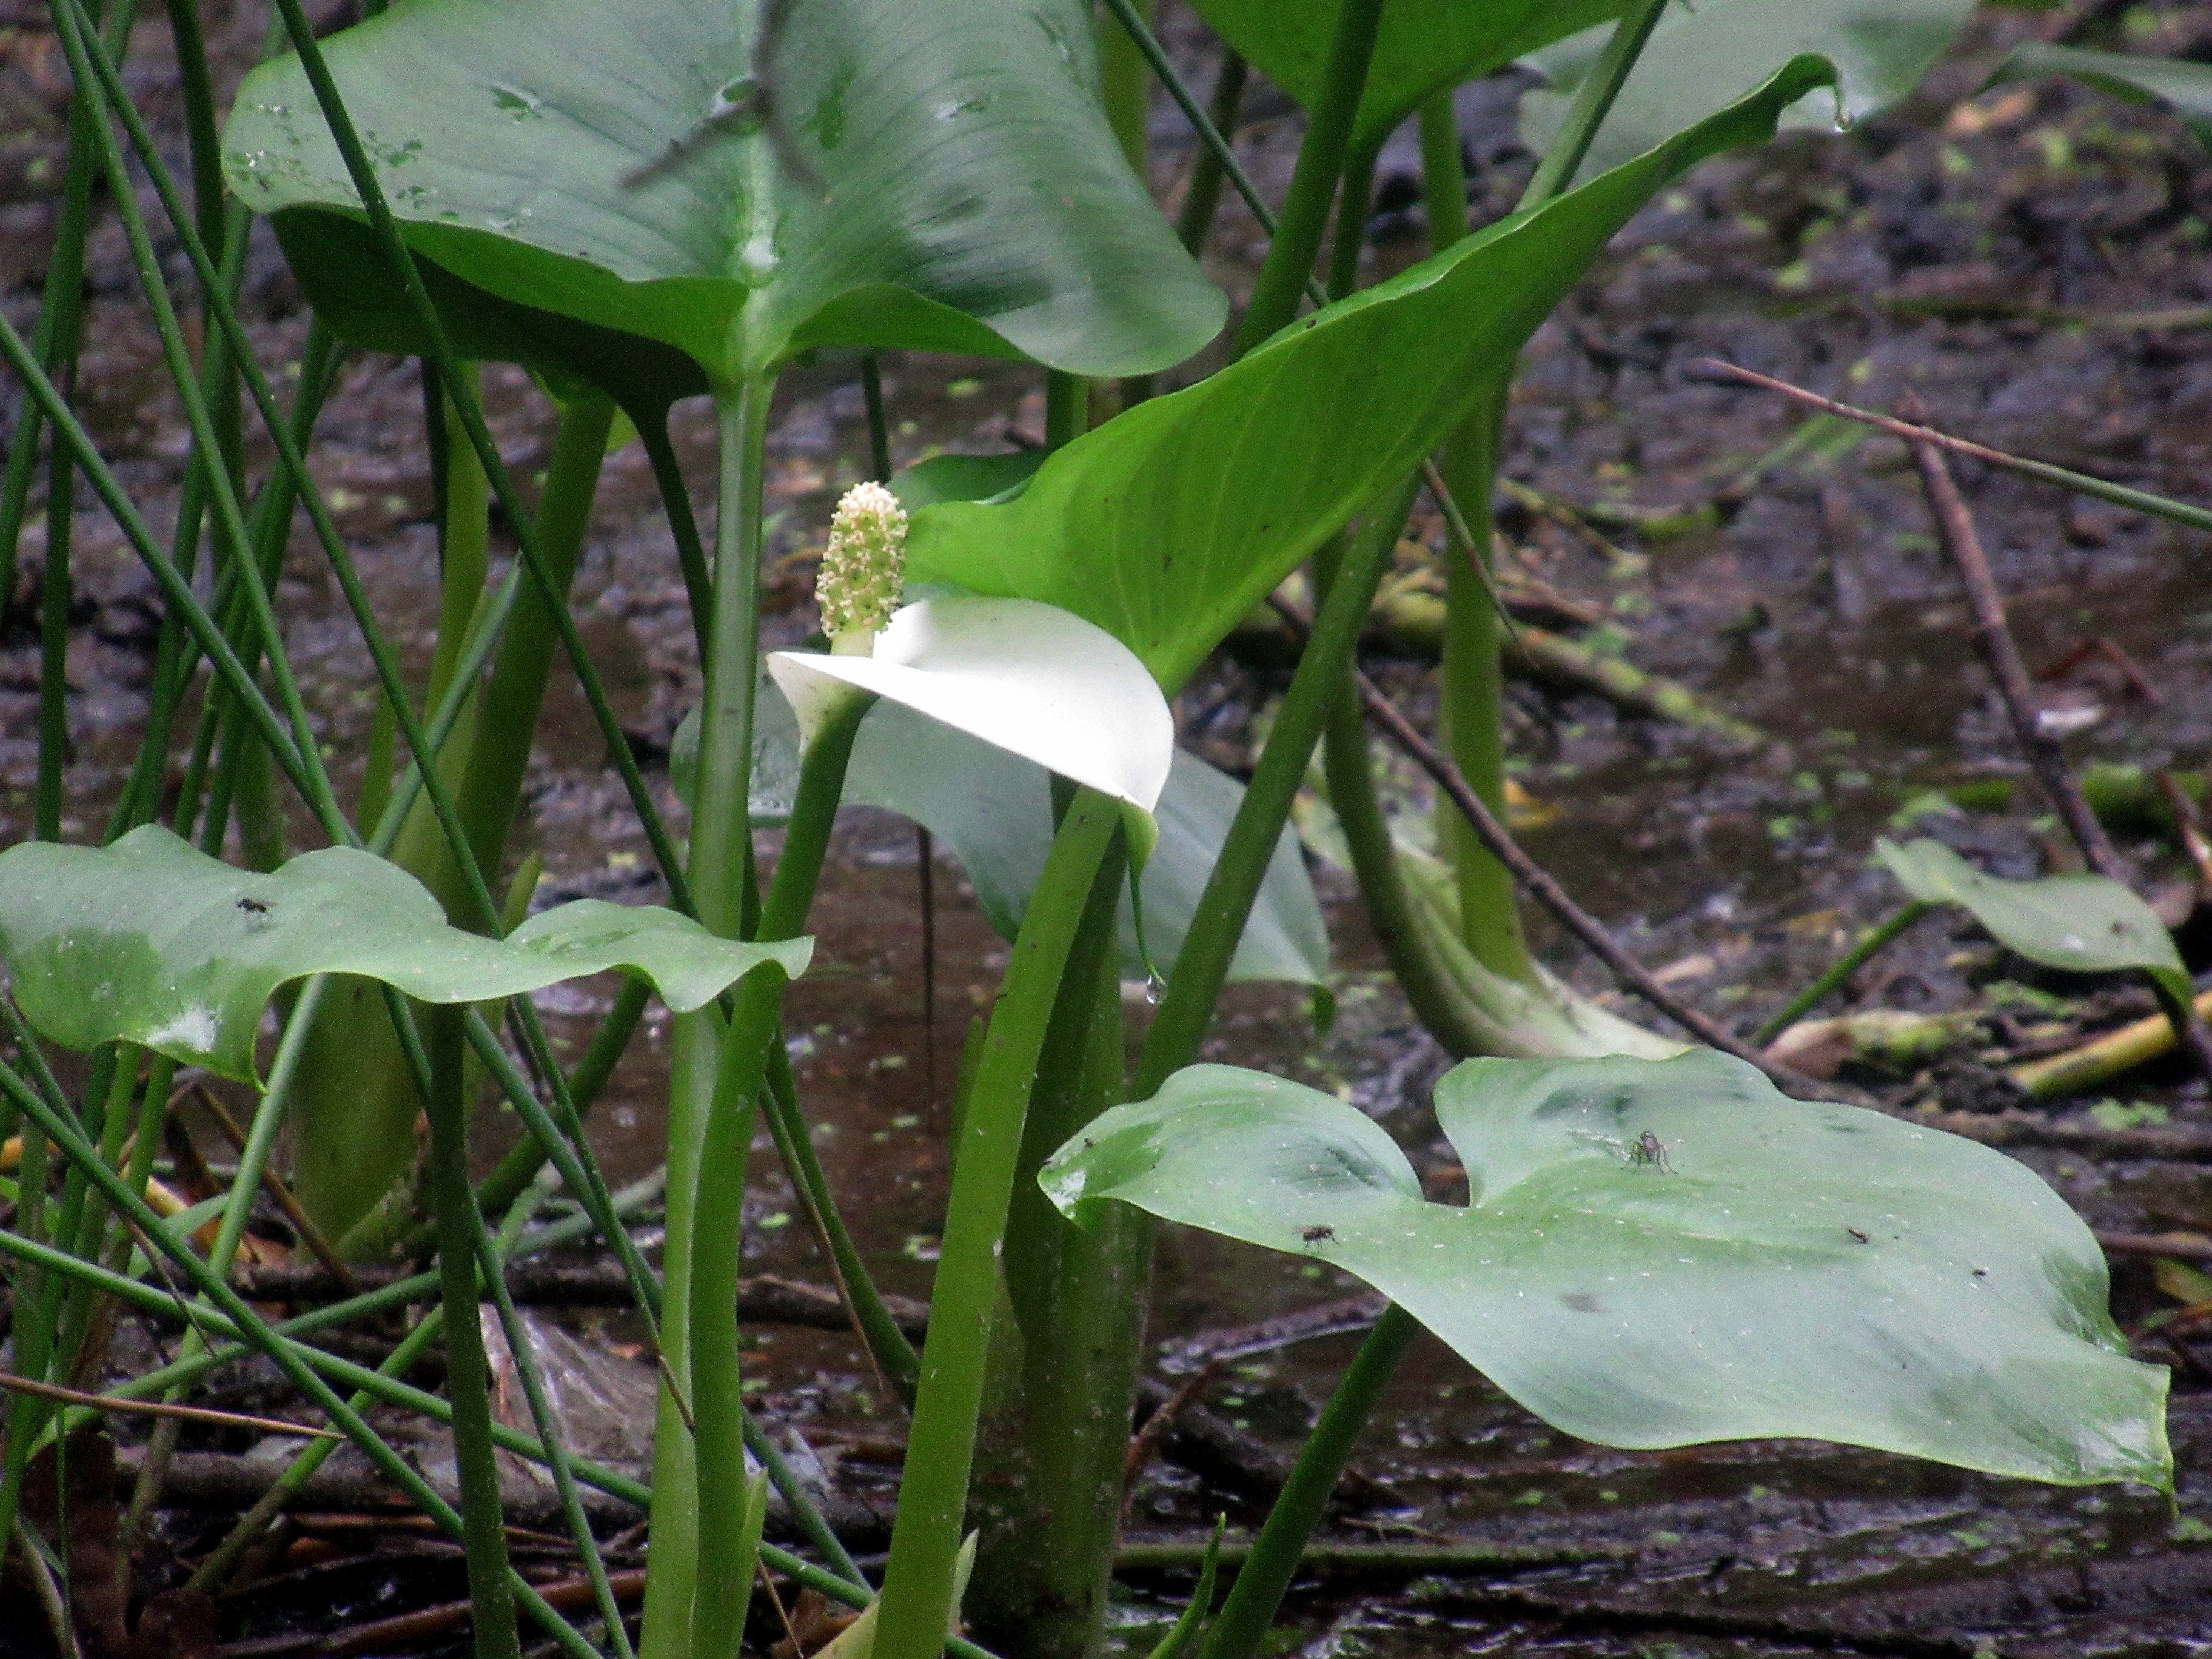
column 1962, row 542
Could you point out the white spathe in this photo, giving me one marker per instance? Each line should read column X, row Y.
column 1025, row 676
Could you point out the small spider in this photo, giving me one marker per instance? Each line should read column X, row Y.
column 1649, row 1149
column 1315, row 1235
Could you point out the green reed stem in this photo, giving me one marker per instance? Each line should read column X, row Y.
column 1248, row 1611
column 1201, row 197
column 1298, row 235
column 490, row 1259
column 1218, row 920
column 721, row 875
column 940, row 1450
column 61, row 313
column 54, row 646
column 849, row 1592
column 484, row 1528
column 1870, row 943
column 894, row 1356
column 1593, row 102
column 726, row 1539
column 683, row 528
column 521, row 1166
column 238, row 1314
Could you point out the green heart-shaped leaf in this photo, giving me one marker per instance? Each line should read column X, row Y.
column 150, row 941
column 744, row 181
column 1658, row 1253
column 1422, row 45
column 1168, row 523
column 2186, row 86
column 1700, row 57
column 2084, row 924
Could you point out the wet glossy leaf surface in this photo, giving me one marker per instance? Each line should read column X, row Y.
column 1423, row 45
column 2136, row 77
column 1660, row 1253
column 1700, row 58
column 741, row 182
column 150, row 941
column 1165, row 526
column 2084, row 924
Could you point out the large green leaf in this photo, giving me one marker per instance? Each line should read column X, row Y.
column 1700, row 57
column 1422, row 46
column 151, row 941
column 2175, row 81
column 1170, row 522
column 1658, row 1253
column 2084, row 924
column 744, row 181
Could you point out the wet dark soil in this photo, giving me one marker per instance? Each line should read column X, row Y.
column 1982, row 253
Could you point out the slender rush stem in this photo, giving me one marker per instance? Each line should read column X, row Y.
column 1249, row 1608
column 1289, row 265
column 1870, row 943
column 917, row 1602
column 1593, row 102
column 238, row 1316
column 467, row 1377
column 1201, row 197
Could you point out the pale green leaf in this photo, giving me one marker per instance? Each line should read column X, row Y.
column 2084, row 924
column 1757, row 1267
column 151, row 941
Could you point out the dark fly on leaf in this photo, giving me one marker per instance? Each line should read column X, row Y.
column 743, row 106
column 1315, row 1235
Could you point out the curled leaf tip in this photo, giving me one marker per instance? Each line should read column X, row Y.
column 862, row 569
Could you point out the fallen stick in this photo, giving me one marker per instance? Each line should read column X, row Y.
column 2082, row 483
column 2103, row 1057
column 1962, row 542
column 100, row 1402
column 1325, row 1560
column 1548, row 656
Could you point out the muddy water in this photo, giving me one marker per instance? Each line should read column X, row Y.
column 1811, row 600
